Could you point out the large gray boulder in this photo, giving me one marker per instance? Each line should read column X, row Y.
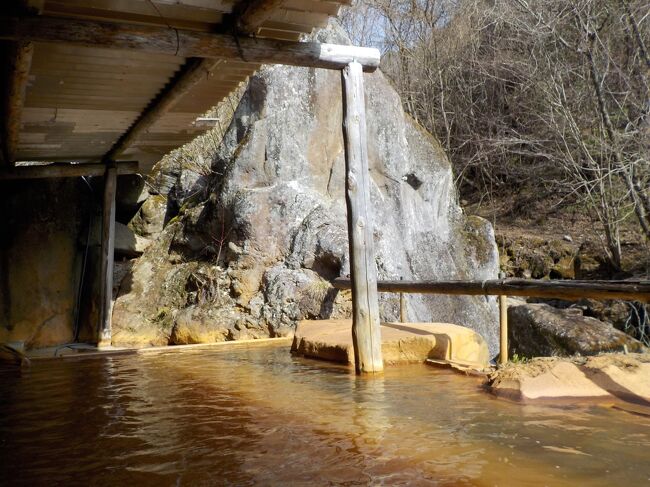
column 273, row 215
column 539, row 330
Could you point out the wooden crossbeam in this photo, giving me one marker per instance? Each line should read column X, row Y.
column 59, row 170
column 185, row 43
column 560, row 289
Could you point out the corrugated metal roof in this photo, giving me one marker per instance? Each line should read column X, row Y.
column 80, row 100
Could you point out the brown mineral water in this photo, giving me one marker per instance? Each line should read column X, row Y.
column 258, row 416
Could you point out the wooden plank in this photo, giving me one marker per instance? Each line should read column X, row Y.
column 186, row 43
column 205, row 23
column 19, row 65
column 567, row 290
column 104, row 332
column 65, row 170
column 366, row 335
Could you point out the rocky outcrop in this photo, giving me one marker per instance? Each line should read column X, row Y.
column 539, row 330
column 128, row 243
column 268, row 224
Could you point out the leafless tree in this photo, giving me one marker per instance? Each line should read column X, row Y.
column 547, row 94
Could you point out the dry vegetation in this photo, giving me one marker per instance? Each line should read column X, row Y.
column 546, row 99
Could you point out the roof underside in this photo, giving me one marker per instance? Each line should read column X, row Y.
column 81, row 100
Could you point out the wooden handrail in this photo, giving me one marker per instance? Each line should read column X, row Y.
column 566, row 289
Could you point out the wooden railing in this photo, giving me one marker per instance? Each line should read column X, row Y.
column 567, row 290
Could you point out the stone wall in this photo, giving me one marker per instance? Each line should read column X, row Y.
column 40, row 259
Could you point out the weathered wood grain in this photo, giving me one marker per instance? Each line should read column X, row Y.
column 503, row 329
column 366, row 335
column 185, row 43
column 19, row 65
column 568, row 290
column 104, row 332
column 255, row 13
column 59, row 170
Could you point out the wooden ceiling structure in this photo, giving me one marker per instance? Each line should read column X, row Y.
column 83, row 100
column 98, row 83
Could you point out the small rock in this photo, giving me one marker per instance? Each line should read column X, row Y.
column 567, row 238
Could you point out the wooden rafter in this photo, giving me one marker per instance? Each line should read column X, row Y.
column 255, row 13
column 19, row 65
column 192, row 73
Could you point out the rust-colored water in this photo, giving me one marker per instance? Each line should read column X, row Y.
column 257, row 416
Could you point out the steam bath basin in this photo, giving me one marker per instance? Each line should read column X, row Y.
column 260, row 416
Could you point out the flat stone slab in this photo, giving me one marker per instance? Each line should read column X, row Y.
column 607, row 376
column 401, row 343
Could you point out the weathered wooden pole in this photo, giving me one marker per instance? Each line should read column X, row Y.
column 503, row 329
column 107, row 250
column 503, row 325
column 366, row 336
column 402, row 306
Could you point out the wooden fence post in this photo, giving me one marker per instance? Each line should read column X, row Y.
column 104, row 334
column 366, row 335
column 503, row 326
column 402, row 306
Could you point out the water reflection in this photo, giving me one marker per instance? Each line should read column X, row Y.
column 259, row 416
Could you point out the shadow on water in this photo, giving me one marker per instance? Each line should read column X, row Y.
column 118, row 421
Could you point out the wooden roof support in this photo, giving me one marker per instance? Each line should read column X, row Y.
column 185, row 43
column 20, row 62
column 192, row 73
column 255, row 13
column 104, row 329
column 366, row 335
column 64, row 170
column 19, row 65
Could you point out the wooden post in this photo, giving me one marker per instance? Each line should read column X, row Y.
column 366, row 335
column 402, row 306
column 503, row 326
column 107, row 250
column 503, row 329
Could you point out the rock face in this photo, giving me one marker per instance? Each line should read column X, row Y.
column 269, row 224
column 539, row 330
